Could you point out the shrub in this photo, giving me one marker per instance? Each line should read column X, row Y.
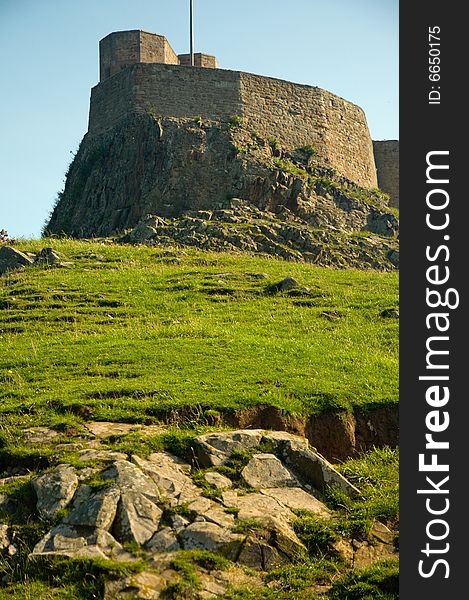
column 235, row 122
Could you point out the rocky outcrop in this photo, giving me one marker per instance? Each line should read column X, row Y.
column 242, row 227
column 155, row 504
column 186, row 170
column 239, row 513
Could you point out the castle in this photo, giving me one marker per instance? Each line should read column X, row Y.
column 165, row 137
column 141, row 73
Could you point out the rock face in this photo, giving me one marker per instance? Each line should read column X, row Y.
column 185, row 170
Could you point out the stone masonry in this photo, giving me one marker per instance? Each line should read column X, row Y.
column 387, row 164
column 141, row 74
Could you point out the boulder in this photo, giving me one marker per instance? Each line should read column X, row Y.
column 289, row 283
column 93, row 508
column 208, row 536
column 219, row 516
column 214, row 449
column 137, row 514
column 163, row 541
column 12, row 259
column 130, row 479
column 91, row 454
column 260, row 555
column 47, row 256
column 254, row 506
column 7, row 504
column 55, row 490
column 314, row 469
column 266, row 470
column 79, row 542
column 218, row 481
column 137, row 518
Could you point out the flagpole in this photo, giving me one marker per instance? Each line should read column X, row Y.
column 192, row 31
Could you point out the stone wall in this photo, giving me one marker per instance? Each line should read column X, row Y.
column 299, row 115
column 165, row 90
column 208, row 61
column 296, row 115
column 387, row 164
column 122, row 49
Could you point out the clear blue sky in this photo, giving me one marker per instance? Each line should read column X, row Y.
column 49, row 51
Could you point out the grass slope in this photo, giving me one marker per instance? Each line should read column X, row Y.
column 131, row 332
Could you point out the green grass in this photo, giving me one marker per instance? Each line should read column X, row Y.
column 133, row 336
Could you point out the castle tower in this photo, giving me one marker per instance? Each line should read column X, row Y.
column 123, row 49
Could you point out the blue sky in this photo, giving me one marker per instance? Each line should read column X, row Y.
column 49, row 52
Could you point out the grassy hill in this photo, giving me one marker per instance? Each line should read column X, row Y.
column 134, row 331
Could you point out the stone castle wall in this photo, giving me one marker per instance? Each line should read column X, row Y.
column 387, row 163
column 296, row 115
column 300, row 115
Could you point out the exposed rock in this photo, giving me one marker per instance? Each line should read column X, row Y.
column 83, row 542
column 344, row 549
column 281, row 536
column 213, row 449
column 163, row 541
column 5, row 538
column 216, row 514
column 297, row 499
column 382, row 533
column 207, row 536
column 12, row 259
column 289, row 283
column 367, row 554
column 137, row 515
column 145, row 230
column 137, row 518
column 216, row 583
column 39, row 435
column 265, row 470
column 254, row 506
column 55, row 490
column 140, row 586
column 290, row 209
column 282, row 441
column 315, row 470
column 7, row 504
column 47, row 256
column 130, row 479
column 260, row 555
column 103, row 429
column 93, row 508
column 200, row 506
column 169, row 475
column 284, row 538
column 91, row 454
column 218, row 480
column 179, row 522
